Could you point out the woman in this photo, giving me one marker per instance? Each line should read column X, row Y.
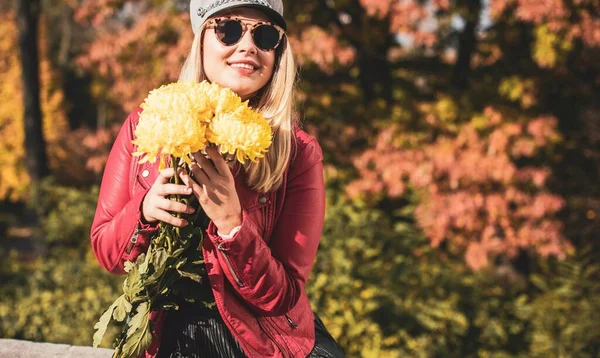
column 263, row 221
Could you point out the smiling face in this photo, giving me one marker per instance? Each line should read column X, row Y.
column 242, row 67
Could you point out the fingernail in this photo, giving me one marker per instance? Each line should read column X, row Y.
column 184, row 223
column 188, row 190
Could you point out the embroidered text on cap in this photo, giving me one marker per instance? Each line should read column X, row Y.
column 202, row 11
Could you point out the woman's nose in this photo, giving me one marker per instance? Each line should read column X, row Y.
column 247, row 43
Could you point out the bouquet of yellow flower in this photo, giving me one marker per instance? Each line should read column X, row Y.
column 179, row 119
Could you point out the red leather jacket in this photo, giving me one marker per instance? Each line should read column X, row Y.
column 258, row 276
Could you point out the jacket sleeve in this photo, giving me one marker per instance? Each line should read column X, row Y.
column 271, row 277
column 117, row 234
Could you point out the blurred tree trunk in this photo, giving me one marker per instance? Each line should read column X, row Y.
column 372, row 40
column 27, row 22
column 466, row 44
column 65, row 44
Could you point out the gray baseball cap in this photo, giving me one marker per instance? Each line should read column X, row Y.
column 201, row 10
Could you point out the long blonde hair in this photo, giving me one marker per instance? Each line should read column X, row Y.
column 276, row 104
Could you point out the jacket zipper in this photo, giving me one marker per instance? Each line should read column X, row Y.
column 133, row 239
column 291, row 323
column 235, row 275
column 271, row 337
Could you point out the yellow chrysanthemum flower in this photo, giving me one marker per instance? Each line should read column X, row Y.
column 245, row 133
column 225, row 101
column 181, row 118
column 173, row 122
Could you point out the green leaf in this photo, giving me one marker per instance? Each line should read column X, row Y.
column 142, row 263
column 138, row 342
column 132, row 284
column 122, row 308
column 170, row 306
column 159, row 259
column 138, row 336
column 128, row 266
column 178, row 252
column 180, row 263
column 166, row 280
column 102, row 324
column 191, row 275
column 140, row 319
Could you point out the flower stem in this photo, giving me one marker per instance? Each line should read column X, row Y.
column 170, row 237
column 177, row 180
column 174, row 165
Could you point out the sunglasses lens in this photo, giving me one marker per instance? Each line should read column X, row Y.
column 229, row 31
column 266, row 37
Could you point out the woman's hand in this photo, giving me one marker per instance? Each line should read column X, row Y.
column 157, row 207
column 215, row 189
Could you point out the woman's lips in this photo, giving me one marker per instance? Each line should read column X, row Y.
column 243, row 67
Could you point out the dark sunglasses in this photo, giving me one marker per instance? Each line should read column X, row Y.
column 229, row 31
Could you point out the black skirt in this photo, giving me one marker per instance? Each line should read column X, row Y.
column 195, row 331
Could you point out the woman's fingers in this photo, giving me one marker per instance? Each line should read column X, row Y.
column 173, row 206
column 205, row 165
column 170, row 219
column 200, row 174
column 160, row 203
column 198, row 187
column 171, row 189
column 164, row 175
column 219, row 162
column 188, row 180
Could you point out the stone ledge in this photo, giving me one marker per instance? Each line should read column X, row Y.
column 12, row 348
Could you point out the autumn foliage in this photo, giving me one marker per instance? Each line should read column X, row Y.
column 158, row 40
column 472, row 193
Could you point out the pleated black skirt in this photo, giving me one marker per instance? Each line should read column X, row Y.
column 195, row 331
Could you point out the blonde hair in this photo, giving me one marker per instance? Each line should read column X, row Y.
column 275, row 102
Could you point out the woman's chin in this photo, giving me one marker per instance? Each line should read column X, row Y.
column 243, row 92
